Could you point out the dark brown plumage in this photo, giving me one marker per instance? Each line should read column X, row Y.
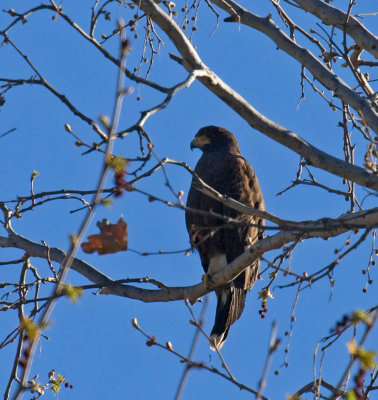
column 222, row 167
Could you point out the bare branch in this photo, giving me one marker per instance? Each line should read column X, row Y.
column 312, row 387
column 193, row 346
column 201, row 365
column 324, row 228
column 42, row 81
column 70, row 256
column 333, row 16
column 191, row 61
column 273, row 346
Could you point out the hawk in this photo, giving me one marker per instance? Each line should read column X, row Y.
column 222, row 167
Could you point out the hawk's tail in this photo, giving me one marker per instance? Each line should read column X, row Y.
column 230, row 306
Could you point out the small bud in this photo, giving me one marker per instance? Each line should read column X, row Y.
column 151, row 342
column 168, row 345
column 104, row 119
column 34, row 175
column 134, row 323
column 126, row 45
column 67, row 127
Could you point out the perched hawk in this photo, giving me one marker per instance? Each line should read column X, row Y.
column 223, row 168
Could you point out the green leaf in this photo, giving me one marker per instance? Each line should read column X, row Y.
column 264, row 294
column 118, row 163
column 361, row 316
column 72, row 292
column 34, row 174
column 367, row 358
column 55, row 386
column 107, row 202
column 351, row 395
column 31, row 329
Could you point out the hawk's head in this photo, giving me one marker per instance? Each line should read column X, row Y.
column 214, row 138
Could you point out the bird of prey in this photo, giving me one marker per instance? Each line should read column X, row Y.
column 218, row 242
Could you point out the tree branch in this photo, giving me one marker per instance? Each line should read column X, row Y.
column 323, row 228
column 333, row 16
column 191, row 61
column 324, row 75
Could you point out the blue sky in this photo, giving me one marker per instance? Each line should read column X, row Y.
column 93, row 342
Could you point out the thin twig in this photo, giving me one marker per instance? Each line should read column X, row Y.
column 273, row 346
column 193, row 346
column 353, row 358
column 67, row 262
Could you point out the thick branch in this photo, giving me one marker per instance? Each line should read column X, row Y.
column 366, row 218
column 324, row 75
column 333, row 16
column 314, row 156
column 324, row 228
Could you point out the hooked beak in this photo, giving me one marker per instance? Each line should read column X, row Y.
column 194, row 144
